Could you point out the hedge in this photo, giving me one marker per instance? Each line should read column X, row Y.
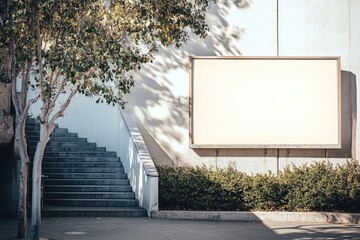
column 316, row 187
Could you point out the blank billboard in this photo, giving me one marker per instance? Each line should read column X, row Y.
column 265, row 102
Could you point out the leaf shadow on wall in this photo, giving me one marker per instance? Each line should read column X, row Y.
column 160, row 96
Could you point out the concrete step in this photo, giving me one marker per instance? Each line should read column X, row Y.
column 81, row 164
column 50, row 149
column 47, row 170
column 81, row 159
column 60, row 211
column 32, row 120
column 86, row 188
column 63, row 144
column 53, row 134
column 93, row 202
column 57, row 139
column 35, row 128
column 86, row 175
column 36, row 124
column 77, row 154
column 87, row 181
column 89, row 195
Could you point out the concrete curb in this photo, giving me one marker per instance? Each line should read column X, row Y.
column 307, row 217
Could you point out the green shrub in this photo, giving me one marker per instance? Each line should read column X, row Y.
column 265, row 193
column 315, row 187
column 322, row 187
column 200, row 189
column 309, row 188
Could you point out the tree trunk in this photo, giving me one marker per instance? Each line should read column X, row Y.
column 36, row 187
column 24, row 177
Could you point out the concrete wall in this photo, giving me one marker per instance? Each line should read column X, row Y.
column 159, row 101
column 327, row 28
column 255, row 28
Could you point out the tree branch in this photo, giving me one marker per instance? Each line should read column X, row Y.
column 39, row 45
column 25, row 85
column 52, row 78
column 28, row 105
column 63, row 107
column 57, row 94
column 67, row 102
column 15, row 98
column 90, row 72
column 12, row 71
column 21, row 103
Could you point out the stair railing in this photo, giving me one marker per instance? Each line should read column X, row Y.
column 138, row 165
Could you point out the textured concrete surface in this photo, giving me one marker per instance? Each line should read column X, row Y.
column 303, row 217
column 5, row 97
column 161, row 229
column 6, row 128
column 6, row 120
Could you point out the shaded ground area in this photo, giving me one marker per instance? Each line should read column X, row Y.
column 161, row 229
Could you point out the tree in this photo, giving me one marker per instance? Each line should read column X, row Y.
column 91, row 47
column 16, row 64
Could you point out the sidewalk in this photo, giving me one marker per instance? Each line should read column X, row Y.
column 165, row 229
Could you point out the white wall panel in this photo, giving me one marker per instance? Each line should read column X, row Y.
column 354, row 53
column 315, row 28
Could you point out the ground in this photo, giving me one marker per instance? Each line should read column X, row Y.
column 164, row 229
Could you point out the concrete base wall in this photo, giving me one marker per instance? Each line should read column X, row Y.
column 299, row 217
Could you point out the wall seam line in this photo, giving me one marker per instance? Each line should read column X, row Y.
column 277, row 27
column 350, row 35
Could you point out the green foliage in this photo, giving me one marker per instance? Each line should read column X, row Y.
column 200, row 188
column 95, row 45
column 322, row 187
column 264, row 192
column 315, row 187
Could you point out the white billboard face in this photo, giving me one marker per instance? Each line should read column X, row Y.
column 267, row 102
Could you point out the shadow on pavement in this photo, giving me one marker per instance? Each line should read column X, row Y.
column 316, row 231
column 161, row 229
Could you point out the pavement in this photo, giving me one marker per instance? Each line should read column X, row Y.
column 167, row 229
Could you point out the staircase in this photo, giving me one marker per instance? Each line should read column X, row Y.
column 82, row 180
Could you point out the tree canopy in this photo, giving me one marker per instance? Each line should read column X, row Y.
column 94, row 45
